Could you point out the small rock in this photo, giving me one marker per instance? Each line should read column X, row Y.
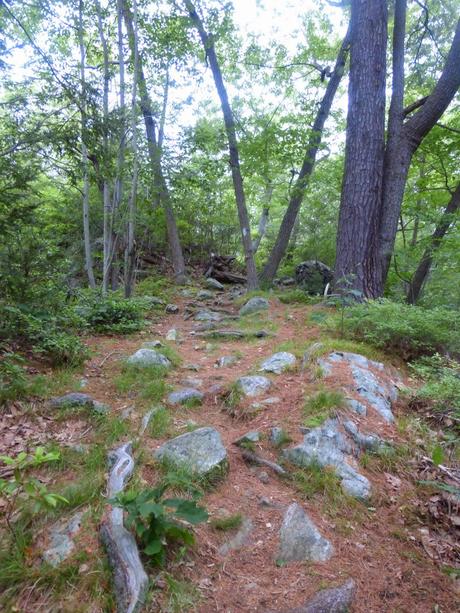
column 152, row 344
column 100, row 408
column 148, row 357
column 300, row 539
column 185, row 395
column 61, row 536
column 192, row 382
column 276, row 435
column 172, row 335
column 213, row 284
column 278, row 362
column 215, row 389
column 201, row 451
column 250, row 437
column 253, row 385
column 172, row 309
column 331, row 600
column 74, row 399
column 225, row 360
column 263, row 476
column 254, row 305
column 194, row 367
column 205, row 315
column 205, row 295
column 241, row 538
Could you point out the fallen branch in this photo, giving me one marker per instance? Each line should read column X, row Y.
column 253, row 458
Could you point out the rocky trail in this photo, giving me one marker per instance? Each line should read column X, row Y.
column 324, row 506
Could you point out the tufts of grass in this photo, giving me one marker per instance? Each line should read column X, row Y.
column 297, row 296
column 315, row 480
column 231, row 522
column 387, row 458
column 328, row 344
column 320, row 407
column 296, row 346
column 182, row 595
column 283, row 439
column 160, row 422
column 147, row 383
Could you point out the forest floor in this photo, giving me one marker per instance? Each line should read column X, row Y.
column 387, row 545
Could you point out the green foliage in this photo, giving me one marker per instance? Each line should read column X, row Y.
column 321, row 406
column 442, row 383
column 15, row 383
column 62, row 349
column 406, row 330
column 112, row 314
column 147, row 382
column 23, row 488
column 315, row 480
column 231, row 522
column 157, row 520
column 160, row 422
column 296, row 296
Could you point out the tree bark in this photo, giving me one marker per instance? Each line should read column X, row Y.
column 84, row 155
column 364, row 149
column 446, row 221
column 154, row 151
column 130, row 255
column 282, row 240
column 403, row 141
column 208, row 45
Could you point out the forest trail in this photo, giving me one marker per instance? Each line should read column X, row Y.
column 376, row 543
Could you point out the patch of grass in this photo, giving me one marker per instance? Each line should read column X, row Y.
column 283, row 439
column 231, row 522
column 110, row 429
column 254, row 322
column 315, row 480
column 172, row 355
column 182, row 480
column 147, row 383
column 387, row 458
column 182, row 595
column 296, row 346
column 297, row 296
column 160, row 422
column 329, row 344
column 320, row 407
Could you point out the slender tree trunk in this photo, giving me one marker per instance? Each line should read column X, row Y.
column 161, row 188
column 130, row 254
column 208, row 45
column 107, row 204
column 364, row 150
column 404, row 140
column 263, row 221
column 282, row 240
column 84, row 156
column 446, row 221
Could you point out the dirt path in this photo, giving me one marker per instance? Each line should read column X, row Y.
column 373, row 544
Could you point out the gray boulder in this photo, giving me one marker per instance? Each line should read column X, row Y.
column 278, row 362
column 300, row 539
column 254, row 305
column 226, row 360
column 213, row 284
column 241, row 539
column 370, row 441
column 331, row 600
column 205, row 294
column 313, row 276
column 356, row 406
column 327, row 446
column 201, row 451
column 185, row 395
column 148, row 357
column 152, row 344
column 253, row 385
column 74, row 399
column 172, row 309
column 375, row 392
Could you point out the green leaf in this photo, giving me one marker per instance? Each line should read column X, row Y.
column 153, row 547
column 151, row 508
column 191, row 512
column 437, row 455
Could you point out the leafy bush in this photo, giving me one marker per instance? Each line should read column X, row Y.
column 157, row 520
column 442, row 383
column 62, row 349
column 112, row 313
column 15, row 383
column 406, row 330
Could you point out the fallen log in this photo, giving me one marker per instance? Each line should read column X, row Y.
column 129, row 577
column 253, row 458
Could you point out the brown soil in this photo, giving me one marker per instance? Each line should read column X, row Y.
column 378, row 545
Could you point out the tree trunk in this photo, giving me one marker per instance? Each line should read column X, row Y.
column 364, row 149
column 161, row 188
column 208, row 45
column 440, row 231
column 130, row 255
column 84, row 156
column 282, row 240
column 263, row 221
column 107, row 204
column 402, row 144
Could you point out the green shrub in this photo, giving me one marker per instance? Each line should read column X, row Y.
column 15, row 383
column 442, row 383
column 157, row 520
column 62, row 349
column 112, row 314
column 406, row 330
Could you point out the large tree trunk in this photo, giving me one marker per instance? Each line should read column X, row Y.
column 403, row 141
column 282, row 240
column 446, row 221
column 161, row 188
column 84, row 155
column 364, row 150
column 229, row 121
